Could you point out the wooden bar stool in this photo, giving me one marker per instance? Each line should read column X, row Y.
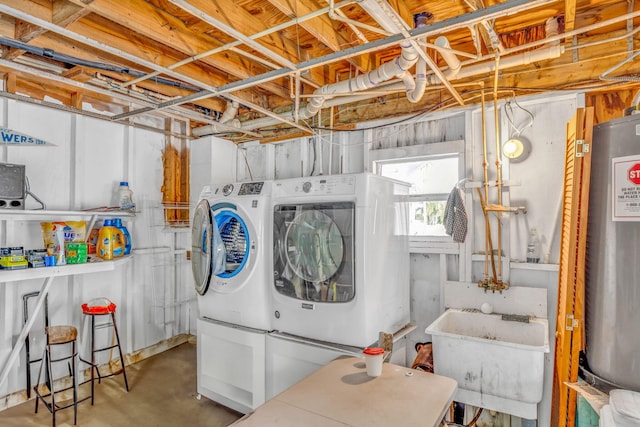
column 57, row 336
column 103, row 307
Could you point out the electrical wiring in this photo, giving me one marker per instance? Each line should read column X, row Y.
column 510, row 117
column 72, row 60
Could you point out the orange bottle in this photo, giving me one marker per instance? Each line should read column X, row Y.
column 111, row 241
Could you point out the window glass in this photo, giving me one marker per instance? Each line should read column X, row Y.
column 437, row 175
column 432, row 178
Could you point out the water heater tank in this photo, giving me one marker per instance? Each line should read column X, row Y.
column 613, row 254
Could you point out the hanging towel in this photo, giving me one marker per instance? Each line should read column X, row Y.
column 455, row 216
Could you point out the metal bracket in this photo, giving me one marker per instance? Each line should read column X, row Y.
column 571, row 323
column 581, row 148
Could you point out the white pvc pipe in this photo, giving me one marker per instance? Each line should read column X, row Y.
column 315, row 104
column 231, row 111
column 553, row 51
column 551, row 30
column 449, row 57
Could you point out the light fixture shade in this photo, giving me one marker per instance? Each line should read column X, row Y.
column 516, row 149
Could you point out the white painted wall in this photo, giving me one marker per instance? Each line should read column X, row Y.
column 153, row 291
column 535, row 183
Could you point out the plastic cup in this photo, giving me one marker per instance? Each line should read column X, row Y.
column 373, row 357
column 50, row 260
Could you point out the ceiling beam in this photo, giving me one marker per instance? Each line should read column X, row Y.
column 323, row 28
column 569, row 15
column 462, row 21
column 61, row 13
column 164, row 28
column 233, row 17
column 202, row 79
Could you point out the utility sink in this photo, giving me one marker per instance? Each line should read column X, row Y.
column 499, row 364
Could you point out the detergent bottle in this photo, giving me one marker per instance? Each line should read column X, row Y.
column 117, row 222
column 110, row 241
column 125, row 197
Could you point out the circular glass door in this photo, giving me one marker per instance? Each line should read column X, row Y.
column 235, row 235
column 314, row 246
column 201, row 246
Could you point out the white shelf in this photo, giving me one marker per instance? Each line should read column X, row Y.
column 516, row 265
column 532, row 266
column 61, row 270
column 29, row 215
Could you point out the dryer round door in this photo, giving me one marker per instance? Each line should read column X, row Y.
column 201, row 243
column 314, row 246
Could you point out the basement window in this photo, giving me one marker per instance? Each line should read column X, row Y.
column 432, row 177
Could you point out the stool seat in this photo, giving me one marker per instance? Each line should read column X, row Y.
column 46, row 392
column 61, row 334
column 107, row 308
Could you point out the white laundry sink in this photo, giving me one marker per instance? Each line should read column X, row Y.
column 499, row 364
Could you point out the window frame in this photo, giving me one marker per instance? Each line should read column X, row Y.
column 377, row 158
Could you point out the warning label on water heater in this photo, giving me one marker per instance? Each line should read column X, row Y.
column 626, row 188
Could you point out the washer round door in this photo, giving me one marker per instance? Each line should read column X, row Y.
column 235, row 235
column 201, row 243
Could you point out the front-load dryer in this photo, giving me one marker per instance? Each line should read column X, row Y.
column 238, row 293
column 341, row 258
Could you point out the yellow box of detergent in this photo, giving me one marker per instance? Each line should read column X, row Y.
column 76, row 253
column 13, row 262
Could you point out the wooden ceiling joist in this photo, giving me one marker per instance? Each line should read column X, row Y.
column 253, row 48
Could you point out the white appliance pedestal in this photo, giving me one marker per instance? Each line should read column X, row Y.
column 231, row 368
column 290, row 359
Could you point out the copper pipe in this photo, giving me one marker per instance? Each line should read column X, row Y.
column 485, row 165
column 488, row 242
column 498, row 166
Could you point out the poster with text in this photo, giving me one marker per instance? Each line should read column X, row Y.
column 626, row 188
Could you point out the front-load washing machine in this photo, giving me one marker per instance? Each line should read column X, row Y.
column 231, row 253
column 340, row 258
column 240, row 215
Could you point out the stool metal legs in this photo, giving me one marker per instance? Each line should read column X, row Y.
column 47, row 362
column 94, row 366
column 124, row 372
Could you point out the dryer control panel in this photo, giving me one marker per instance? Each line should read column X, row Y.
column 317, row 185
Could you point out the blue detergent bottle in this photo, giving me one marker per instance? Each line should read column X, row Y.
column 117, row 222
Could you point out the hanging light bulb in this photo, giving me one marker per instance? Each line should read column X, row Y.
column 516, row 149
column 513, row 148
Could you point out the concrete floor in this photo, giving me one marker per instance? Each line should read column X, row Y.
column 162, row 392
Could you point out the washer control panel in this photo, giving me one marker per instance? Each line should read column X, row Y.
column 249, row 188
column 227, row 189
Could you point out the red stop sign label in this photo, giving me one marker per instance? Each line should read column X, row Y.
column 634, row 174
